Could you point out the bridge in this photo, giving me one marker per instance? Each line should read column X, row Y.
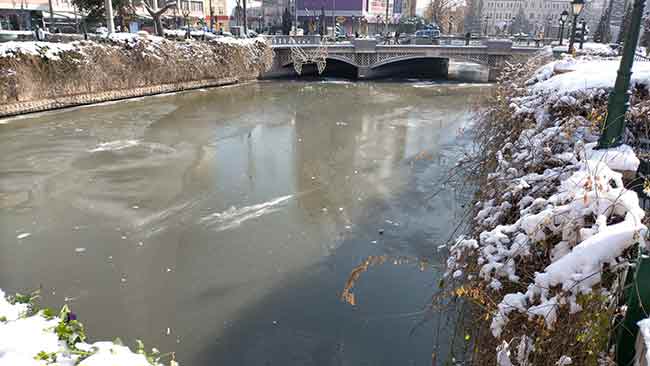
column 366, row 59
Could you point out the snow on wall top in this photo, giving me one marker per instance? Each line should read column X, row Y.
column 583, row 74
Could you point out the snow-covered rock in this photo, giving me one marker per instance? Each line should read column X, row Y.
column 589, row 48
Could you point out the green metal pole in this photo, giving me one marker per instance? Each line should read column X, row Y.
column 637, row 298
column 619, row 98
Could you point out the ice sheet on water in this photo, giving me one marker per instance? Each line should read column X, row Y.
column 234, row 217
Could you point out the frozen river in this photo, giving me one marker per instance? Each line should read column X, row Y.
column 223, row 224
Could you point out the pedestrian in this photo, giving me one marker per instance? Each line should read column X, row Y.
column 40, row 34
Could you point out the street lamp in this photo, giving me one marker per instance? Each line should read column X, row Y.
column 583, row 26
column 619, row 98
column 563, row 17
column 576, row 7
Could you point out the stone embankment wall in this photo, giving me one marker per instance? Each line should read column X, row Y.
column 37, row 76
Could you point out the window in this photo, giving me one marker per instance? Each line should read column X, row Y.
column 196, row 6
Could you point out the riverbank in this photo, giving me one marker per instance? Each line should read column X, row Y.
column 38, row 76
column 31, row 336
column 556, row 223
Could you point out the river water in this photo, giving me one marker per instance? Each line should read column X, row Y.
column 222, row 224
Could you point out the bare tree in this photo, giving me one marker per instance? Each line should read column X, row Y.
column 645, row 36
column 156, row 13
column 438, row 11
column 603, row 32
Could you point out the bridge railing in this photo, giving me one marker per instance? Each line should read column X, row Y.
column 640, row 58
column 289, row 40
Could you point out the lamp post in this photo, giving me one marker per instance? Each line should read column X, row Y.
column 563, row 18
column 583, row 33
column 186, row 14
column 576, row 6
column 487, row 19
column 619, row 98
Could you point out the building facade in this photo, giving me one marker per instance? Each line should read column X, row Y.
column 218, row 9
column 272, row 12
column 28, row 14
column 354, row 16
column 541, row 17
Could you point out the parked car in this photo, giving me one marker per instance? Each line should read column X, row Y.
column 427, row 36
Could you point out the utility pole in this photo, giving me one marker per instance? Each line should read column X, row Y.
column 154, row 7
column 51, row 15
column 334, row 19
column 108, row 4
column 211, row 15
column 245, row 19
column 386, row 20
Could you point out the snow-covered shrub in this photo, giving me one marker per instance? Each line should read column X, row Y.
column 554, row 224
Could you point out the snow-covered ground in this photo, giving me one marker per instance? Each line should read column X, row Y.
column 569, row 75
column 588, row 48
column 29, row 338
column 555, row 192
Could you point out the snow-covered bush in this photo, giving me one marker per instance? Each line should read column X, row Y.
column 554, row 223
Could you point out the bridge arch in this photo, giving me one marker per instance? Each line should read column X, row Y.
column 411, row 66
column 392, row 60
